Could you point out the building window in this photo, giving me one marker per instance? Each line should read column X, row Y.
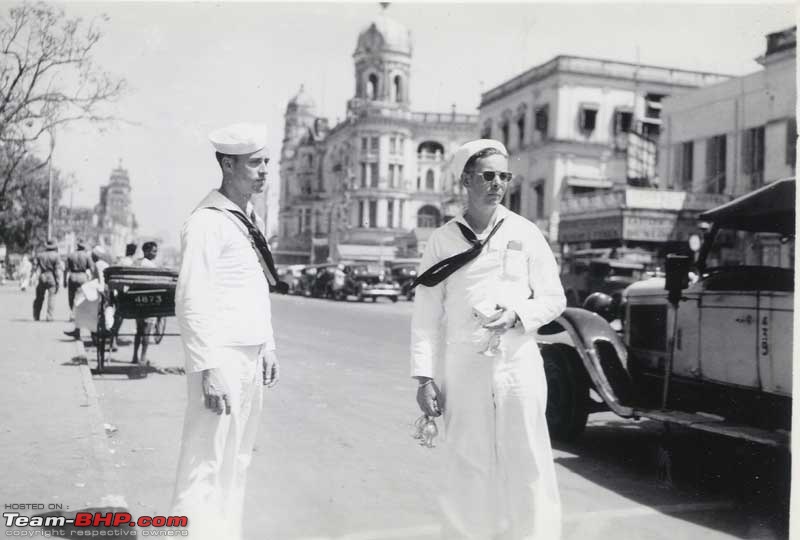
column 390, row 213
column 587, row 118
column 399, row 169
column 428, row 217
column 429, row 180
column 651, row 123
column 309, row 160
column 715, row 164
column 374, row 144
column 486, row 132
column 373, row 214
column 623, row 121
column 504, row 132
column 363, row 174
column 391, row 175
column 521, row 131
column 538, row 190
column 540, row 119
column 419, row 183
column 515, row 200
column 401, row 145
column 392, row 145
column 791, row 142
column 363, row 144
column 306, row 219
column 753, row 155
column 372, row 87
column 398, row 89
column 373, row 175
column 361, row 216
column 684, row 165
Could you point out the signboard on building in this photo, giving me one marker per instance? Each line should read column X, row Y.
column 590, row 229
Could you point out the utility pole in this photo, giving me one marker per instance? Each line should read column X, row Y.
column 50, row 186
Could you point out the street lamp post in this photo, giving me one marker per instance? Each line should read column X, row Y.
column 50, row 186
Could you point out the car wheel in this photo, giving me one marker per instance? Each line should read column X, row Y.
column 394, row 299
column 567, row 393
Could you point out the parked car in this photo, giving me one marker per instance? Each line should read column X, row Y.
column 713, row 355
column 404, row 274
column 604, row 270
column 368, row 281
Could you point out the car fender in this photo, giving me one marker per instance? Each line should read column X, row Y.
column 602, row 353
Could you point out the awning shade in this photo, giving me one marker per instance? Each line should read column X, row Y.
column 767, row 209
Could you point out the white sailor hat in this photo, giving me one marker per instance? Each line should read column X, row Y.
column 469, row 149
column 238, row 139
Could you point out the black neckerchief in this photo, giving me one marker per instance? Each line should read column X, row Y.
column 443, row 269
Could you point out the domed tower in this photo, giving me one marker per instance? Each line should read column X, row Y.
column 118, row 197
column 383, row 65
column 300, row 115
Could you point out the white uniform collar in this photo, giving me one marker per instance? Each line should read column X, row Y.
column 500, row 213
column 218, row 200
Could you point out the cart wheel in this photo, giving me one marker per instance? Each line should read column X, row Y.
column 160, row 328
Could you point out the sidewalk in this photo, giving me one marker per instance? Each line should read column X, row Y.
column 53, row 440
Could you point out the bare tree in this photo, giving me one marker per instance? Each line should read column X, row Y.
column 47, row 78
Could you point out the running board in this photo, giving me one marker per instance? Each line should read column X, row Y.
column 719, row 426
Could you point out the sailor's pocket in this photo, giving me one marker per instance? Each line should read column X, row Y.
column 514, row 264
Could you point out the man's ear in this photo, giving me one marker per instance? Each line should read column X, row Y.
column 227, row 163
column 464, row 179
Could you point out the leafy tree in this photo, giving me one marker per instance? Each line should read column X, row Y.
column 23, row 223
column 47, row 79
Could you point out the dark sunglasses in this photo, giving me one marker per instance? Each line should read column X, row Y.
column 489, row 176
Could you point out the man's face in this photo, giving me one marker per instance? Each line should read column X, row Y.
column 248, row 172
column 151, row 253
column 480, row 192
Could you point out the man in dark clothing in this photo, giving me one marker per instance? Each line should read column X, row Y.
column 49, row 269
column 79, row 268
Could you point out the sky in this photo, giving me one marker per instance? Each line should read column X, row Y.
column 193, row 67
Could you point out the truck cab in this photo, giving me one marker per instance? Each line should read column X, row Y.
column 709, row 346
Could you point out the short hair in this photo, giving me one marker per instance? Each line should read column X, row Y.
column 147, row 246
column 220, row 156
column 469, row 166
column 130, row 249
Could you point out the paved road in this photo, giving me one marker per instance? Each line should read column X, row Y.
column 335, row 459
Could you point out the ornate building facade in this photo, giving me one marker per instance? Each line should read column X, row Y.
column 111, row 223
column 351, row 191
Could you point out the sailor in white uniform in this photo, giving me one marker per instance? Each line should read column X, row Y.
column 489, row 273
column 223, row 309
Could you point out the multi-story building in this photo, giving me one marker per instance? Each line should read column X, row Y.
column 110, row 223
column 579, row 126
column 735, row 136
column 351, row 190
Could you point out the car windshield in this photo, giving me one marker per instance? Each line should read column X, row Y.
column 744, row 248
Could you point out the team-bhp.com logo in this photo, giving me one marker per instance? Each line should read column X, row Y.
column 92, row 521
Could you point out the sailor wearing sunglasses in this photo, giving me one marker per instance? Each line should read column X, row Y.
column 489, row 276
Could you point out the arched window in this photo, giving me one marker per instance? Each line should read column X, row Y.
column 429, row 180
column 398, row 89
column 372, row 87
column 428, row 216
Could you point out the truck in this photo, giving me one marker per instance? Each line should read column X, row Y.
column 707, row 347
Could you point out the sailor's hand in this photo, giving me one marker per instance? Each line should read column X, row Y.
column 505, row 320
column 271, row 369
column 215, row 391
column 429, row 398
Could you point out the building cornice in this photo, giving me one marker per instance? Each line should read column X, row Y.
column 598, row 67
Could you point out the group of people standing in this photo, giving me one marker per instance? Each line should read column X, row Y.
column 500, row 478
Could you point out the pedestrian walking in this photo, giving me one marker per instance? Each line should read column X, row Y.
column 49, row 270
column 89, row 295
column 25, row 269
column 79, row 271
column 144, row 327
column 223, row 310
column 490, row 282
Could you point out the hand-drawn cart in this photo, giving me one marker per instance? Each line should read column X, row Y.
column 133, row 292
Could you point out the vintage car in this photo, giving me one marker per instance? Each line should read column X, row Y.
column 404, row 273
column 712, row 352
column 605, row 270
column 291, row 275
column 368, row 281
